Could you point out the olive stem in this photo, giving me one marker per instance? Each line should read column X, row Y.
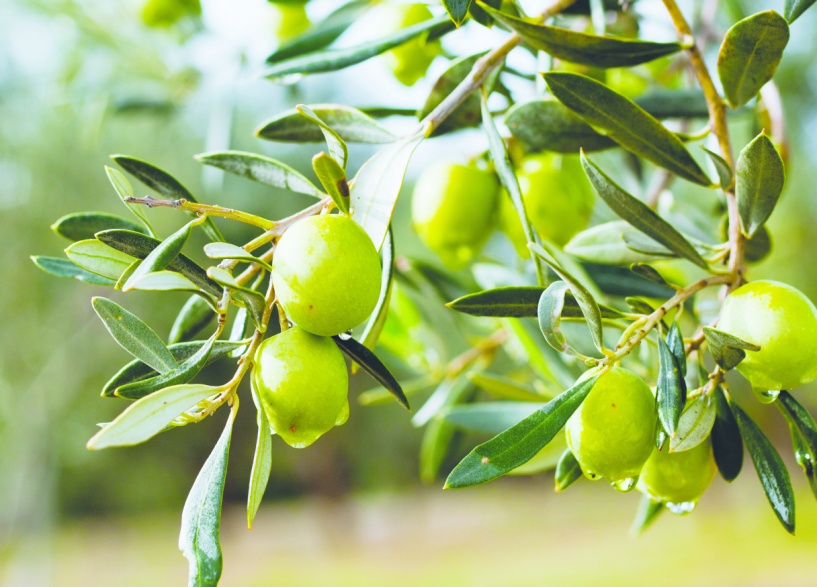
column 204, row 210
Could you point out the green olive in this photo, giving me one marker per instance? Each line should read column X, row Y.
column 409, row 61
column 291, row 20
column 165, row 13
column 302, row 384
column 452, row 209
column 326, row 274
column 678, row 478
column 613, row 431
column 782, row 321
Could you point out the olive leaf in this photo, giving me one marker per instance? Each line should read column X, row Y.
column 521, row 442
column 64, row 268
column 489, row 417
column 377, row 321
column 261, row 461
column 124, row 190
column 650, row 273
column 722, row 168
column 84, row 225
column 99, row 258
column 251, row 299
column 337, row 146
column 505, row 388
column 695, row 424
column 547, row 125
column 749, row 55
column 758, row 184
column 675, row 342
column 468, row 113
column 373, row 366
column 625, row 122
column 671, row 389
column 165, row 184
column 648, row 511
column 583, row 48
column 620, row 281
column 803, row 431
column 727, row 443
column 163, row 255
column 727, row 350
column 568, row 471
column 794, row 8
column 549, row 313
column 350, row 124
column 457, row 10
column 608, row 243
column 201, row 517
column 231, row 251
column 333, row 179
column 639, row 215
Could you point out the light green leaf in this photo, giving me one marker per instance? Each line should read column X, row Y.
column 231, row 251
column 337, row 146
column 98, row 258
column 352, row 125
column 648, row 512
column 150, row 415
column 750, row 54
column 625, row 122
column 162, row 256
column 758, row 183
column 568, row 471
column 84, row 225
column 261, row 169
column 509, row 389
column 721, row 167
column 254, row 301
column 261, row 461
column 377, row 321
column 201, row 517
column 490, row 417
column 124, row 189
column 549, row 313
column 606, row 243
column 64, row 268
column 694, row 425
column 333, row 179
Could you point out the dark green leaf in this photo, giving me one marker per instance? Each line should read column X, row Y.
column 548, row 125
column 489, row 417
column 468, row 113
column 721, row 167
column 568, row 471
column 139, row 246
column 620, row 281
column 770, row 468
column 803, row 434
column 184, row 373
column 162, row 256
column 261, row 169
column 373, row 366
column 337, row 146
column 660, row 103
column 521, row 442
column 352, row 125
column 750, row 54
column 194, row 317
column 336, row 59
column 727, row 445
column 675, row 342
column 65, row 268
column 727, row 350
column 201, row 517
column 648, row 511
column 333, row 179
column 163, row 183
column 133, row 335
column 639, row 306
column 583, row 48
column 671, row 389
column 758, row 184
column 794, row 8
column 457, row 10
column 549, row 313
column 84, row 225
column 181, row 351
column 648, row 272
column 639, row 215
column 99, row 258
column 625, row 122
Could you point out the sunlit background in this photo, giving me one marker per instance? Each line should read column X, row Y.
column 83, row 79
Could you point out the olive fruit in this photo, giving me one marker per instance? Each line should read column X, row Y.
column 782, row 321
column 612, row 433
column 302, row 384
column 558, row 199
column 291, row 19
column 678, row 478
column 452, row 209
column 410, row 60
column 326, row 274
column 165, row 13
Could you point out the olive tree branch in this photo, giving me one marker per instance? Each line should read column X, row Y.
column 204, row 210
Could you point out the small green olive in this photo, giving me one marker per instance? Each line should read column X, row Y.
column 302, row 384
column 326, row 274
column 409, row 61
column 165, row 13
column 680, row 477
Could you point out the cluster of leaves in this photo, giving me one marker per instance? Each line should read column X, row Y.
column 611, row 277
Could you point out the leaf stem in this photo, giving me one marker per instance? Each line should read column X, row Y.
column 204, row 210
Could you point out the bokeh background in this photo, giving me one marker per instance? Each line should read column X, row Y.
column 82, row 79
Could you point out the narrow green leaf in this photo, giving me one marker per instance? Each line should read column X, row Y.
column 794, row 8
column 648, row 512
column 510, row 302
column 548, row 125
column 586, row 301
column 549, row 311
column 377, row 184
column 727, row 444
column 663, row 103
column 201, row 517
column 489, row 417
column 377, row 321
column 333, row 179
column 261, row 461
column 505, row 388
column 770, row 468
column 758, row 184
column 150, row 415
column 184, row 373
column 639, row 215
column 468, row 113
column 607, row 243
column 172, row 281
column 98, row 258
column 625, row 122
column 165, row 184
column 337, row 59
column 139, row 246
column 138, row 371
column 695, row 425
column 518, row 444
column 241, row 323
column 133, row 335
column 261, row 169
column 568, row 471
column 620, row 281
column 373, row 366
column 231, row 251
column 337, row 146
column 583, row 48
column 84, row 225
column 65, row 268
column 507, row 176
column 162, row 256
column 124, row 189
column 545, row 460
column 727, row 350
column 803, row 434
column 721, row 167
column 675, row 342
column 457, row 10
column 671, row 389
column 750, row 54
column 650, row 273
column 352, row 125
column 254, row 301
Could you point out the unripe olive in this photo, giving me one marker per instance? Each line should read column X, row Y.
column 165, row 13
column 678, row 478
column 558, row 199
column 326, row 274
column 782, row 321
column 409, row 61
column 452, row 209
column 302, row 384
column 613, row 431
column 291, row 19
